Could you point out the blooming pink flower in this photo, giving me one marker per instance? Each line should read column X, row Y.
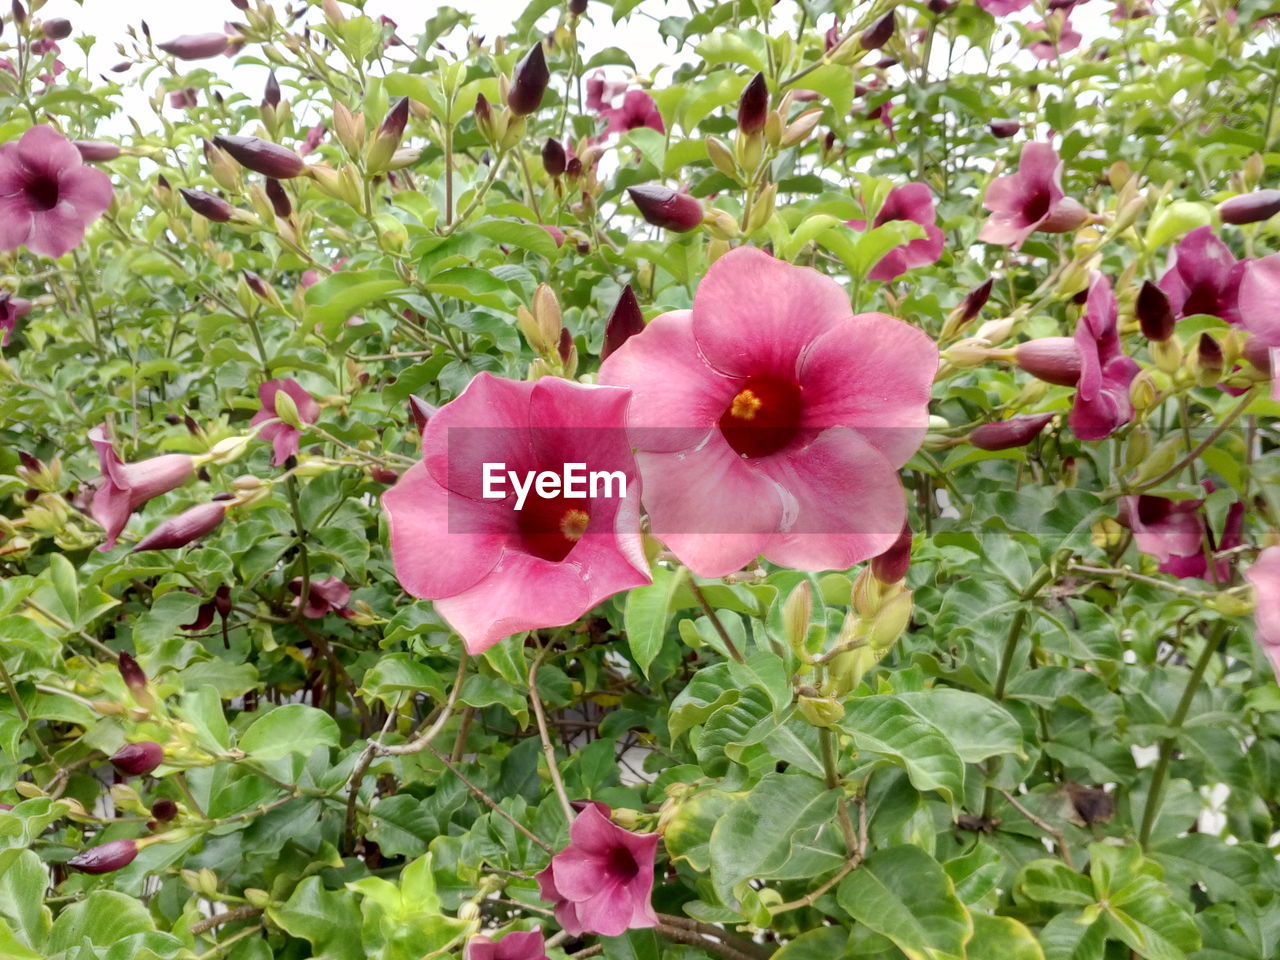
column 492, row 570
column 517, row 945
column 770, row 419
column 187, row 98
column 637, row 109
column 1102, row 402
column 324, row 597
column 12, row 309
column 1264, row 575
column 1174, row 532
column 1068, row 39
column 602, row 881
column 911, row 201
column 1002, row 8
column 601, row 92
column 284, row 438
column 314, row 137
column 1203, row 277
column 1030, row 199
column 1259, row 292
column 124, row 487
column 48, row 197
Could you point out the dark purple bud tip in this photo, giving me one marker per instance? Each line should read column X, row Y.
column 56, row 29
column 187, row 527
column 1051, row 359
column 625, row 322
column 383, row 475
column 664, row 207
column 940, row 7
column 131, row 673
column 164, row 810
column 892, row 565
column 262, row 156
column 1209, row 352
column 554, row 159
column 484, row 112
column 1007, row 434
column 753, row 107
column 976, row 300
column 394, row 122
column 280, row 202
column 1004, row 128
column 138, row 759
column 208, row 205
column 94, row 151
column 1250, row 207
column 578, row 7
column 565, row 345
column 196, row 46
column 271, row 95
column 878, row 34
column 19, row 13
column 1155, row 314
column 31, row 463
column 105, row 858
column 421, row 411
column 529, row 82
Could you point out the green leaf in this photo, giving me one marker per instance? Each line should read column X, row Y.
column 63, row 576
column 1052, row 881
column 23, row 878
column 886, row 727
column 646, row 613
column 293, row 728
column 904, row 894
column 1002, row 937
column 102, row 918
column 1065, row 937
column 399, row 673
column 326, row 919
column 977, row 727
column 527, row 236
column 342, row 294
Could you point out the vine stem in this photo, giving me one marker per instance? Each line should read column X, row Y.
column 715, row 621
column 1152, row 807
column 548, row 748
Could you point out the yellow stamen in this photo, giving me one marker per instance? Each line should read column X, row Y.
column 574, row 524
column 745, row 406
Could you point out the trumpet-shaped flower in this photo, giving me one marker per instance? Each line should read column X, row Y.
column 48, row 197
column 1204, row 277
column 1102, row 402
column 124, row 487
column 283, row 436
column 914, row 202
column 1264, row 575
column 1029, row 200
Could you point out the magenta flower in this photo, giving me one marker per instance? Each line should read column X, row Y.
column 324, row 597
column 314, row 137
column 637, row 109
column 911, row 201
column 770, row 419
column 1264, row 575
column 1174, row 532
column 1203, row 277
column 494, row 569
column 602, row 881
column 1259, row 292
column 12, row 309
column 1002, row 8
column 187, row 98
column 48, row 197
column 1068, row 39
column 517, row 945
column 601, row 92
column 1102, row 402
column 1029, row 200
column 124, row 487
column 284, row 438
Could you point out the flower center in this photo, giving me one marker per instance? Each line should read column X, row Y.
column 42, row 193
column 550, row 527
column 1203, row 298
column 763, row 417
column 621, row 864
column 1037, row 206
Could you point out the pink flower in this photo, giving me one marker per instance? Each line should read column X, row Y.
column 1102, row 402
column 124, row 487
column 1068, row 39
column 284, row 438
column 601, row 92
column 638, row 110
column 1029, row 200
column 48, row 197
column 12, row 309
column 770, row 419
column 1174, row 532
column 602, row 881
column 1002, row 8
column 911, row 201
column 314, row 137
column 186, row 528
column 1259, row 293
column 491, row 569
column 187, row 98
column 1204, row 277
column 1264, row 575
column 517, row 945
column 324, row 597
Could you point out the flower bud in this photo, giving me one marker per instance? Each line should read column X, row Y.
column 1142, row 391
column 878, row 34
column 262, row 156
column 1207, row 361
column 892, row 565
column 186, row 527
column 96, row 151
column 820, row 711
column 1167, row 355
column 1138, row 444
column 387, row 140
column 164, row 810
column 1164, row 456
column 664, row 207
column 940, row 7
column 1067, row 215
column 1004, row 128
column 554, row 158
column 721, row 157
column 56, row 29
column 106, row 857
column 271, row 93
column 796, row 612
column 208, row 205
column 753, row 106
column 224, row 170
column 1155, row 316
column 1051, row 359
column 132, row 674
column 1007, row 434
column 484, row 119
column 196, row 46
column 279, row 199
column 974, row 301
column 798, row 130
column 970, row 352
column 890, row 621
column 528, row 83
column 421, row 411
column 138, row 759
column 578, row 7
column 847, row 669
column 624, row 322
column 1250, row 207
column 349, row 129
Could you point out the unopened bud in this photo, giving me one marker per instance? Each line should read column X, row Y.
column 664, row 207
column 1154, row 313
column 1142, row 391
column 624, row 322
column 1250, row 207
column 796, row 612
column 554, row 158
column 1008, row 434
column 138, row 759
column 185, row 528
column 878, row 34
column 1004, row 128
column 1051, row 359
column 798, row 130
column 892, row 565
column 1207, row 361
column 196, row 46
column 106, row 857
column 753, row 106
column 387, row 140
column 820, row 711
column 529, row 82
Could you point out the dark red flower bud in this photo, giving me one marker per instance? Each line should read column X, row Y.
column 383, row 475
column 1051, row 359
column 240, row 4
column 1007, row 434
column 892, row 565
column 138, row 759
column 57, row 28
column 878, row 34
column 529, row 82
column 1154, row 312
column 106, row 857
column 222, row 601
column 1250, row 207
column 196, row 46
column 1258, row 354
column 393, row 124
column 146, row 30
column 1004, row 128
column 753, row 107
column 30, row 462
column 554, row 158
column 208, row 205
column 185, row 528
column 164, row 810
column 162, row 182
column 1209, row 355
column 204, row 617
column 279, row 199
column 884, row 63
column 578, row 7
column 625, row 322
column 122, row 66
column 484, row 112
column 19, row 13
column 256, row 284
column 565, row 346
column 271, row 95
column 664, row 207
column 132, row 674
column 421, row 411
column 975, row 300
column 940, row 7
column 262, row 156
column 573, row 169
column 92, row 151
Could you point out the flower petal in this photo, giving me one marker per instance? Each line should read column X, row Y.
column 487, row 423
column 87, row 189
column 46, row 152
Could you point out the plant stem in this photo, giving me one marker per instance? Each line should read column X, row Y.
column 715, row 621
column 548, row 748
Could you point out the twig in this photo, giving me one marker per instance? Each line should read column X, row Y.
column 1058, row 836
column 490, row 802
column 715, row 621
column 548, row 749
column 227, row 916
